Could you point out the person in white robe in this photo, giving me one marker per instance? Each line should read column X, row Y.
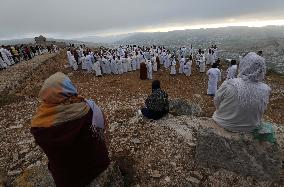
column 10, row 56
column 69, row 57
column 124, row 64
column 214, row 76
column 107, row 66
column 138, row 60
column 202, row 64
column 3, row 65
column 232, row 71
column 74, row 63
column 149, row 70
column 181, row 65
column 210, row 58
column 154, row 62
column 119, row 65
column 187, row 68
column 89, row 63
column 129, row 68
column 173, row 67
column 5, row 57
column 83, row 62
column 241, row 102
column 114, row 67
column 97, row 68
column 134, row 63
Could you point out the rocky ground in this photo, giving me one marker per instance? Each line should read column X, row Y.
column 149, row 153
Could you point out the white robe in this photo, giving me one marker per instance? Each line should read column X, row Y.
column 2, row 64
column 187, row 68
column 214, row 75
column 232, row 72
column 138, row 61
column 114, row 68
column 74, row 64
column 173, row 68
column 124, row 64
column 181, row 65
column 133, row 63
column 129, row 68
column 107, row 66
column 202, row 65
column 69, row 57
column 84, row 62
column 155, row 65
column 120, row 66
column 210, row 59
column 97, row 68
column 5, row 56
column 149, row 70
column 89, row 63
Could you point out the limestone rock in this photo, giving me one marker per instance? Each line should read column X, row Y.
column 237, row 152
column 40, row 176
column 180, row 107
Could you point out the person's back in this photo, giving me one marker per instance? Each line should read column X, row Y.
column 70, row 129
column 157, row 104
column 241, row 102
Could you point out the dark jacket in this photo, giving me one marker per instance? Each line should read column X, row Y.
column 76, row 156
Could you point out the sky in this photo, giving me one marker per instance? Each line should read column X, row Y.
column 68, row 19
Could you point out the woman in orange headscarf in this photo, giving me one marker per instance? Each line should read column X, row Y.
column 70, row 130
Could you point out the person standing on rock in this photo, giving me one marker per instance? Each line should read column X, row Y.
column 240, row 103
column 214, row 76
column 157, row 104
column 71, row 131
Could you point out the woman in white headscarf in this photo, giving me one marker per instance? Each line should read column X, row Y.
column 241, row 102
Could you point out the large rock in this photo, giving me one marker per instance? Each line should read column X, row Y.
column 180, row 107
column 238, row 152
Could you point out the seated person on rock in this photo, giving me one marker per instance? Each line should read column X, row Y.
column 157, row 104
column 241, row 102
column 70, row 130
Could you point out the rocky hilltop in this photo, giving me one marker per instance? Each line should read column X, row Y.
column 184, row 149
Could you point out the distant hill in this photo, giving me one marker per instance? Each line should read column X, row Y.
column 203, row 37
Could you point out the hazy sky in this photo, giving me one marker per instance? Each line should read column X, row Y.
column 76, row 18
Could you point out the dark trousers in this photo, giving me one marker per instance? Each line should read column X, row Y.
column 153, row 114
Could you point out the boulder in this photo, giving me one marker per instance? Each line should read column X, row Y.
column 237, row 152
column 180, row 107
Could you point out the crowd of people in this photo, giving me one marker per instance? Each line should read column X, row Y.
column 151, row 59
column 10, row 55
column 73, row 132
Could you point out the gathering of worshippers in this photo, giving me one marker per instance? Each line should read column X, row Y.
column 149, row 60
column 10, row 55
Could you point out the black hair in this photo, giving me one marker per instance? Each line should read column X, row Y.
column 156, row 85
column 233, row 62
column 215, row 65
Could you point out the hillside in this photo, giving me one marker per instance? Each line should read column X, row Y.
column 120, row 96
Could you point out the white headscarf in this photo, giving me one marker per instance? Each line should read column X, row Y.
column 252, row 68
column 251, row 90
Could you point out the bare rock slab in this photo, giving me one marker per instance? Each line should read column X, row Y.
column 237, row 152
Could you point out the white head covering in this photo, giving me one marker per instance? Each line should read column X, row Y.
column 252, row 68
column 251, row 91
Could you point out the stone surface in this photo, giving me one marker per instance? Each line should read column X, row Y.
column 180, row 107
column 217, row 148
column 41, row 177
